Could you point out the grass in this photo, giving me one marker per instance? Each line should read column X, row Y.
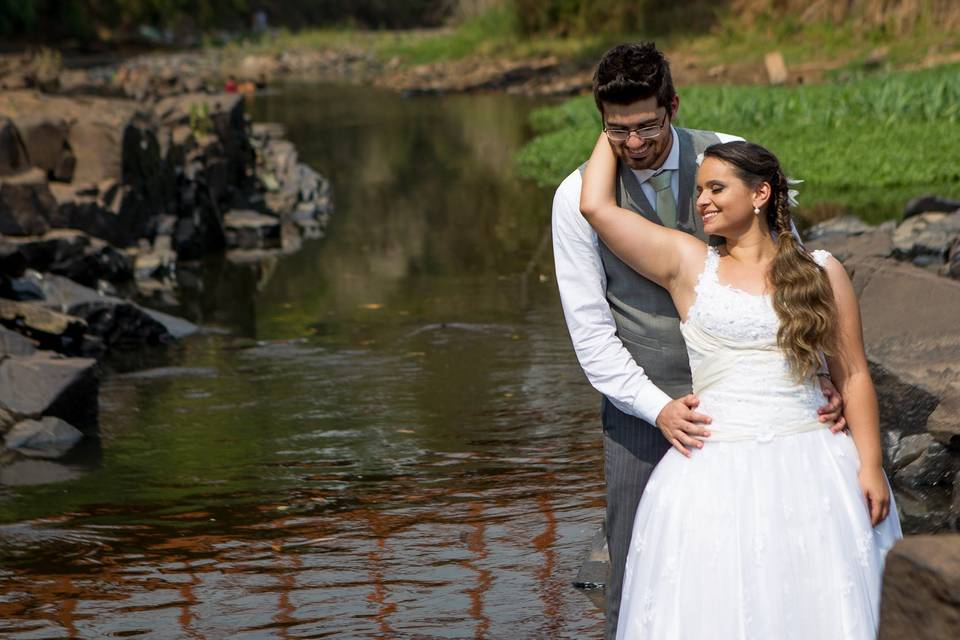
column 863, row 146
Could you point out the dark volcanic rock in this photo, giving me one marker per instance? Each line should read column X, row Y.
column 47, row 384
column 246, row 229
column 74, row 254
column 927, row 234
column 48, row 437
column 50, row 329
column 930, row 202
column 26, row 204
column 14, row 344
column 13, row 153
column 48, row 146
column 921, row 589
column 933, row 466
column 118, row 322
column 113, row 212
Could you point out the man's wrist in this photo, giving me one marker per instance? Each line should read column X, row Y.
column 651, row 404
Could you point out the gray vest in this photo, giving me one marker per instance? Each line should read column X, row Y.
column 647, row 320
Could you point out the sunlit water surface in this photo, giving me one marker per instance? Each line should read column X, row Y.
column 384, row 435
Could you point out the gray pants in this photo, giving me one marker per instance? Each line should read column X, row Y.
column 631, row 449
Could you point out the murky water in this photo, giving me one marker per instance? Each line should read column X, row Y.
column 385, row 435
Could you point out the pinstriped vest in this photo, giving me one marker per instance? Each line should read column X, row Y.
column 647, row 320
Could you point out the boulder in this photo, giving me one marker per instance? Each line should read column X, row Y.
column 926, row 234
column 111, row 140
column 908, row 449
column 952, row 268
column 930, row 202
column 46, row 384
column 113, row 212
column 247, row 229
column 13, row 152
column 844, row 225
column 932, row 467
column 76, row 255
column 46, row 140
column 117, row 322
column 26, row 204
column 7, row 420
column 12, row 260
column 29, row 471
column 48, row 437
column 875, row 242
column 50, row 329
column 14, row 344
column 921, row 589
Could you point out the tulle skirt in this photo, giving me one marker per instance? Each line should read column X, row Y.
column 756, row 540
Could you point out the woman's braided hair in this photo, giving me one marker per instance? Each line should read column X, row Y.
column 802, row 296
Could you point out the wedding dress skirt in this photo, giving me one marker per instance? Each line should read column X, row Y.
column 764, row 533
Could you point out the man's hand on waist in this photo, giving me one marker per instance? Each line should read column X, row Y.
column 682, row 426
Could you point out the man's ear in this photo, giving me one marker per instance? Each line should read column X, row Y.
column 674, row 106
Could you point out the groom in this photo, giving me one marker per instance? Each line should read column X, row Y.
column 625, row 328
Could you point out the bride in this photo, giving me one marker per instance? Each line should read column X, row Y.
column 768, row 526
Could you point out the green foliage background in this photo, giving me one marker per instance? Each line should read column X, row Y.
column 865, row 145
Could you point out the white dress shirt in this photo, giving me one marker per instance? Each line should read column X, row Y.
column 609, row 366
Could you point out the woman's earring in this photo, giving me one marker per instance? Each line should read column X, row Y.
column 756, row 211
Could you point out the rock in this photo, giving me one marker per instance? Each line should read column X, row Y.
column 26, row 204
column 14, row 344
column 246, row 229
column 910, row 332
column 50, row 329
column 47, row 384
column 76, row 255
column 12, row 260
column 927, row 234
column 593, row 573
column 48, row 437
column 909, row 449
column 930, row 202
column 115, row 213
column 955, row 504
column 776, row 68
column 7, row 420
column 118, row 322
column 932, row 467
column 13, row 153
column 21, row 289
column 877, row 242
column 845, row 225
column 944, row 422
column 28, row 472
column 952, row 268
column 921, row 589
column 46, row 140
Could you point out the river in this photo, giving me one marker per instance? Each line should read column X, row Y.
column 385, row 435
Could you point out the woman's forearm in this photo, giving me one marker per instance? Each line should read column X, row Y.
column 597, row 192
column 863, row 417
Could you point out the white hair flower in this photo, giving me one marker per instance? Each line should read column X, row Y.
column 792, row 193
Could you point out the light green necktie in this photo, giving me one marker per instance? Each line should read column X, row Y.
column 666, row 205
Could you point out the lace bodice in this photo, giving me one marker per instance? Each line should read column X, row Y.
column 744, row 379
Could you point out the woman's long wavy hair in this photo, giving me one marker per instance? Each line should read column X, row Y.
column 802, row 296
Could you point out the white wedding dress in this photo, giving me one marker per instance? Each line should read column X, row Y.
column 764, row 533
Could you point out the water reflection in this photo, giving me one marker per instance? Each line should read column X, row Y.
column 382, row 436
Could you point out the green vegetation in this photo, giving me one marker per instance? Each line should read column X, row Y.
column 866, row 145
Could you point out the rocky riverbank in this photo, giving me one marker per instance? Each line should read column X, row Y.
column 102, row 200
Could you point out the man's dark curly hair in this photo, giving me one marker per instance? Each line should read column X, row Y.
column 631, row 72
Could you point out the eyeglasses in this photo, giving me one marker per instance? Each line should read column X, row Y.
column 617, row 134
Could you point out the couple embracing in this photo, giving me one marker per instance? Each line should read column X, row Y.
column 745, row 493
